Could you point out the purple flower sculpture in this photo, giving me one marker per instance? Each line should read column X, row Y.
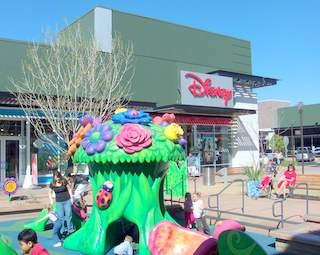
column 96, row 138
column 85, row 120
column 132, row 116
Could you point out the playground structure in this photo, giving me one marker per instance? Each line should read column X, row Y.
column 129, row 157
column 133, row 154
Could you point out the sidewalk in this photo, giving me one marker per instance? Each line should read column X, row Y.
column 27, row 200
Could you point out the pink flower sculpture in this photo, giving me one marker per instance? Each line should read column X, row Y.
column 133, row 138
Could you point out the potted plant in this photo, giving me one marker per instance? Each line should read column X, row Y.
column 253, row 174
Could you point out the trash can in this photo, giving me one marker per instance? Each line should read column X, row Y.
column 209, row 176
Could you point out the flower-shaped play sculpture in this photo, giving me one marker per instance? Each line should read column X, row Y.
column 173, row 132
column 96, row 138
column 134, row 158
column 132, row 116
column 133, row 138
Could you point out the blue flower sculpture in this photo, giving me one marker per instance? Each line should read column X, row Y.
column 96, row 138
column 132, row 116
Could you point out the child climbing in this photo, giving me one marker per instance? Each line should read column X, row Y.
column 53, row 217
column 28, row 242
column 125, row 248
column 188, row 210
column 198, row 212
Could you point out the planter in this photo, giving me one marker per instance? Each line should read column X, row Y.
column 253, row 188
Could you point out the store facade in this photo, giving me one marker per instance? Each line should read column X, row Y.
column 204, row 78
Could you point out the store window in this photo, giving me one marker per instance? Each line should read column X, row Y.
column 214, row 145
column 48, row 156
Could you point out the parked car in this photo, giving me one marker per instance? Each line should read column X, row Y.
column 316, row 151
column 306, row 154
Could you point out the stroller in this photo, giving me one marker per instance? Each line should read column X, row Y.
column 266, row 185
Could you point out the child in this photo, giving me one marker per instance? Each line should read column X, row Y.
column 125, row 248
column 28, row 242
column 198, row 213
column 80, row 209
column 188, row 210
column 52, row 216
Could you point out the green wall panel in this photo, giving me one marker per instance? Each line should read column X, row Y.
column 289, row 116
column 85, row 23
column 163, row 49
column 11, row 55
column 164, row 40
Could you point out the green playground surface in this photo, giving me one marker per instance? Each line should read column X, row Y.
column 10, row 229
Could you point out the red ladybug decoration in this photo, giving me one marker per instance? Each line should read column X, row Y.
column 103, row 199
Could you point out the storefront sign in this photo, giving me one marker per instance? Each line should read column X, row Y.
column 206, row 90
column 34, row 166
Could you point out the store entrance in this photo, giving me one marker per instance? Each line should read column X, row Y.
column 10, row 157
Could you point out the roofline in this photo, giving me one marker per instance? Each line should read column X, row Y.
column 22, row 42
column 171, row 23
column 76, row 20
column 274, row 100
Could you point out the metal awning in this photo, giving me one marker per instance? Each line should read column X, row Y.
column 19, row 114
column 12, row 113
column 199, row 120
column 203, row 110
column 247, row 79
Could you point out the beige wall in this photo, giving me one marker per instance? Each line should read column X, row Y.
column 267, row 113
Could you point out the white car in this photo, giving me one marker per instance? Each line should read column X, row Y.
column 316, row 151
column 306, row 154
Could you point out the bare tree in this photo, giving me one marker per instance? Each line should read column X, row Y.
column 70, row 77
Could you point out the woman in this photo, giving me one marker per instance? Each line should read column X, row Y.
column 63, row 195
column 287, row 180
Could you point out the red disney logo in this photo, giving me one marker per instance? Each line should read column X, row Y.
column 200, row 88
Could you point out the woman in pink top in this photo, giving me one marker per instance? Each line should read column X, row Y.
column 287, row 180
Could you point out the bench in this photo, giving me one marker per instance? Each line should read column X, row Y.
column 313, row 181
column 235, row 170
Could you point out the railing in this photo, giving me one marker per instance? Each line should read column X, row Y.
column 218, row 198
column 281, row 215
column 307, row 193
column 223, row 169
column 171, row 189
column 281, row 202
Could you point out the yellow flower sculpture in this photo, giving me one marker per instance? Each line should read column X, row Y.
column 120, row 110
column 173, row 132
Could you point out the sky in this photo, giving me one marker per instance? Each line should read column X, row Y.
column 284, row 34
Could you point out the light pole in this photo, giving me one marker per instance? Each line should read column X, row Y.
column 300, row 109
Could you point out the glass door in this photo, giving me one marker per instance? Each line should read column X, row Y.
column 10, row 157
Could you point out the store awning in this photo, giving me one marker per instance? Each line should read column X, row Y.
column 202, row 120
column 253, row 81
column 203, row 110
column 18, row 113
column 12, row 113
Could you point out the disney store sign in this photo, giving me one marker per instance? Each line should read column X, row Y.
column 206, row 90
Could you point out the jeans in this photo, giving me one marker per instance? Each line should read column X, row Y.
column 202, row 226
column 64, row 212
column 55, row 231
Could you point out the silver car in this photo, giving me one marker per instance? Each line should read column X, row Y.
column 307, row 155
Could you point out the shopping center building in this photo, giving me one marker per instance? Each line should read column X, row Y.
column 204, row 78
column 296, row 123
